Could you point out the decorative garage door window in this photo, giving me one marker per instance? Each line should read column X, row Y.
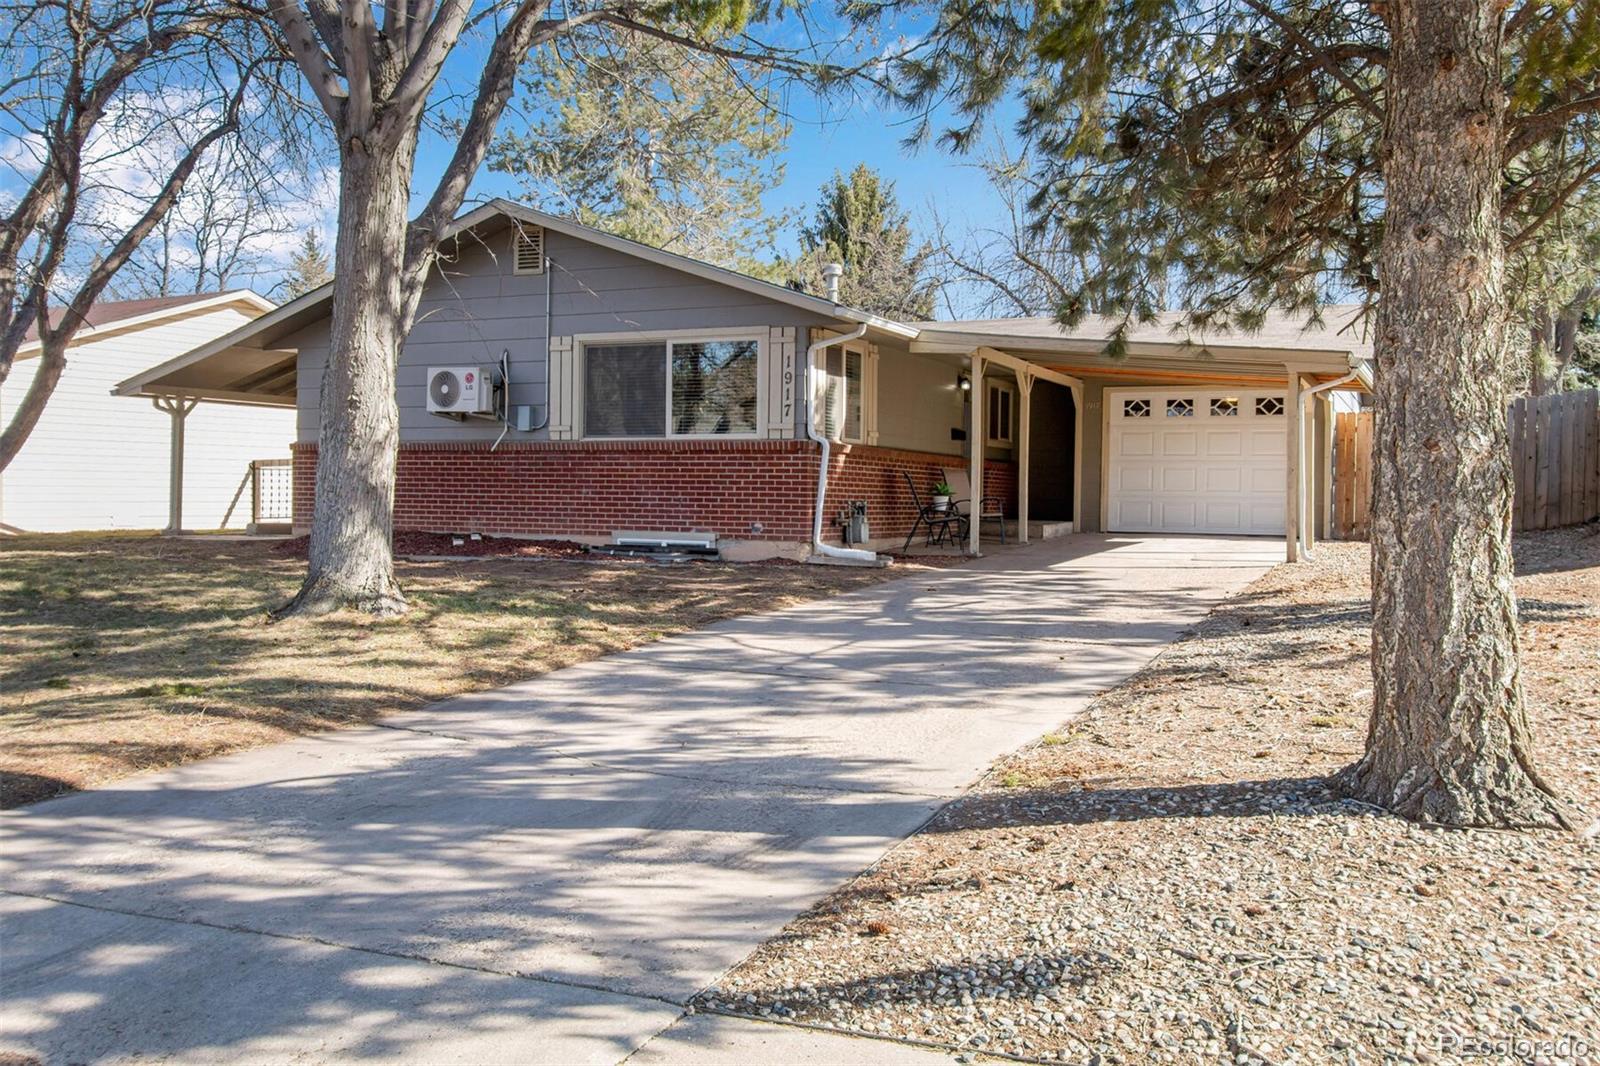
column 1136, row 408
column 1269, row 405
column 1225, row 406
column 670, row 388
column 1180, row 408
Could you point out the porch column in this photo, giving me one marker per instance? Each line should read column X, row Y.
column 975, row 451
column 177, row 409
column 1324, row 460
column 1295, row 437
column 1024, row 433
column 1310, row 474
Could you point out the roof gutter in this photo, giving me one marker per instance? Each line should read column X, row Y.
column 1362, row 369
column 855, row 555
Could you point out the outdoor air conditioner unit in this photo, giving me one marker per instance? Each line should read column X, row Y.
column 461, row 390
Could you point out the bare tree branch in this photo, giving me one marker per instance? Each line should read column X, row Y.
column 309, row 55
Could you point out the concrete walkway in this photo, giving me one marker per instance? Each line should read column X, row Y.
column 547, row 872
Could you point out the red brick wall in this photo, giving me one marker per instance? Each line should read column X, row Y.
column 860, row 472
column 594, row 488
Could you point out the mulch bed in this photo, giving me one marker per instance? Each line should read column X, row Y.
column 1170, row 879
column 414, row 542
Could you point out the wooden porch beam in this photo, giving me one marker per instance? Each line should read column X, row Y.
column 975, row 450
column 1295, row 439
column 177, row 409
column 1024, row 443
column 1020, row 366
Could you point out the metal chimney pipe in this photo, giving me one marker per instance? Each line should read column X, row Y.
column 831, row 273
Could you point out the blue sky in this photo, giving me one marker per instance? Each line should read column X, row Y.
column 830, row 135
column 819, row 146
column 827, row 135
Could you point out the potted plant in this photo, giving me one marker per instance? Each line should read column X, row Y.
column 941, row 495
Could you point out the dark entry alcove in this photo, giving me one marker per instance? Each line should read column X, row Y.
column 1052, row 429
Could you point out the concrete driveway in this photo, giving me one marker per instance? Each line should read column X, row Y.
column 547, row 872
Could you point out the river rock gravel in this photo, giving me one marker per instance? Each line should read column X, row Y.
column 1170, row 879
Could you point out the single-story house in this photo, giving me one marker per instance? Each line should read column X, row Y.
column 646, row 391
column 97, row 461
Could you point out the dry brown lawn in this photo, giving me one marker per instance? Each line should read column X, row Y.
column 120, row 654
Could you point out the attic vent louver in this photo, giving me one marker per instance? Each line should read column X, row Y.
column 529, row 253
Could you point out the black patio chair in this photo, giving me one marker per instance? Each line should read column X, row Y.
column 936, row 523
column 988, row 509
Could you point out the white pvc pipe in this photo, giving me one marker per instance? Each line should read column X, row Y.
column 817, row 546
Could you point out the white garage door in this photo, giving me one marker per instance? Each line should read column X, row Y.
column 1196, row 460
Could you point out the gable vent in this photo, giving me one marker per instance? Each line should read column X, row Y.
column 529, row 254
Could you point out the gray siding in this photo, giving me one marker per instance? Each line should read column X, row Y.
column 476, row 307
column 918, row 404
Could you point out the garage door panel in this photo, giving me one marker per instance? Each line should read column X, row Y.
column 1180, row 478
column 1219, row 468
column 1135, row 477
column 1267, row 442
column 1264, row 479
column 1181, row 443
column 1136, row 515
column 1179, row 515
column 1224, row 443
column 1224, row 479
column 1224, row 515
column 1137, row 443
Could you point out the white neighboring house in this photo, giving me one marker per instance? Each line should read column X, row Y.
column 98, row 461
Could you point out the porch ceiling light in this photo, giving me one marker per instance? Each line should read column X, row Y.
column 963, row 382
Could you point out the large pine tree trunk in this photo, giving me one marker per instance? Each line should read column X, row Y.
column 351, row 552
column 1448, row 741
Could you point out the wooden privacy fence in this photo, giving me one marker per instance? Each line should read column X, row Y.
column 1555, row 457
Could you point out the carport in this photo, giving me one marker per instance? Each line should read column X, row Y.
column 242, row 368
column 1230, row 433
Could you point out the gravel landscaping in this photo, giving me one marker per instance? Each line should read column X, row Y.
column 1168, row 878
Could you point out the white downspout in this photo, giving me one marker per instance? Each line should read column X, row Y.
column 1299, row 427
column 817, row 546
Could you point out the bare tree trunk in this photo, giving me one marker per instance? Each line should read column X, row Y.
column 1541, row 331
column 1448, row 740
column 52, row 361
column 351, row 552
column 1564, row 343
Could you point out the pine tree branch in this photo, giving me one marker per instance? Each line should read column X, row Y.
column 1322, row 57
column 1557, row 202
column 1582, row 98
